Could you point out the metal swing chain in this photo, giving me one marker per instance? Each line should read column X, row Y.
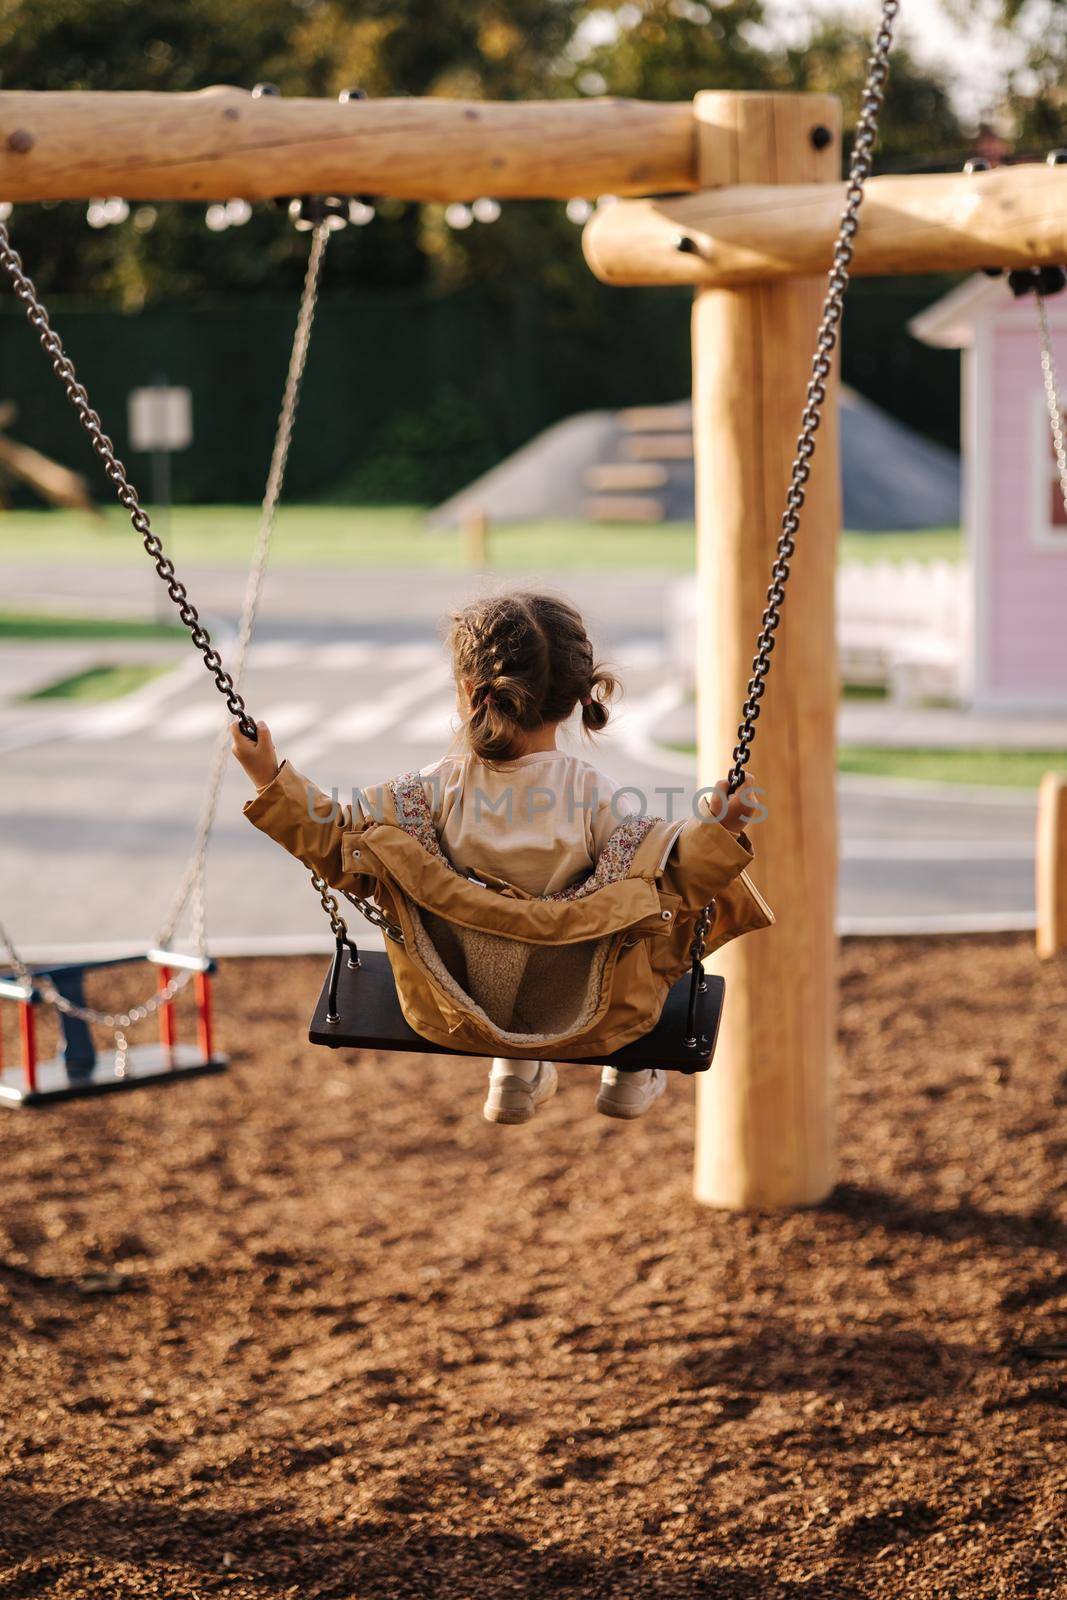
column 338, row 926
column 374, row 914
column 192, row 884
column 116, row 1021
column 193, row 881
column 825, row 342
column 1052, row 395
column 228, row 684
column 63, row 367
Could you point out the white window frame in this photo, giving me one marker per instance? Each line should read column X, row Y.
column 1044, row 534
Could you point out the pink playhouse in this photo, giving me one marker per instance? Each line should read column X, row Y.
column 1015, row 639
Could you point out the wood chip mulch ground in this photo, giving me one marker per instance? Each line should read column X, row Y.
column 314, row 1329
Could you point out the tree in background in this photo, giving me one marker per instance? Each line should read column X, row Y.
column 669, row 50
column 919, row 128
column 1033, row 114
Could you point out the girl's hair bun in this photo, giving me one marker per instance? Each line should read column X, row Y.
column 527, row 661
column 498, row 708
column 595, row 704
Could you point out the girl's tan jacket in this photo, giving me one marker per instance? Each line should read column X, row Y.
column 487, row 969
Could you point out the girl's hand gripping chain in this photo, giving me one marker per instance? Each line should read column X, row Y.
column 735, row 811
column 259, row 760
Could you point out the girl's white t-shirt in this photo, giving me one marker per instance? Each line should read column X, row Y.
column 539, row 821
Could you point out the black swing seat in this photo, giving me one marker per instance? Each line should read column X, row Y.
column 147, row 1066
column 370, row 1018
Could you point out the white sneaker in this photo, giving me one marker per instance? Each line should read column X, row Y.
column 627, row 1095
column 513, row 1097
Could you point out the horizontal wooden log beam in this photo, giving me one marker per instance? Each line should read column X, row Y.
column 222, row 143
column 954, row 222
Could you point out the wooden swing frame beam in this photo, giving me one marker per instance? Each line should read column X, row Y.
column 755, row 193
column 223, row 142
column 932, row 222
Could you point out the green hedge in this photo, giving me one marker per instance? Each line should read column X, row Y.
column 409, row 395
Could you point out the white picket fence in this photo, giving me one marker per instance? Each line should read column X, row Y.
column 899, row 623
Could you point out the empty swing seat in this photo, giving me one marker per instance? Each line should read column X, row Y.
column 370, row 1018
column 79, row 1069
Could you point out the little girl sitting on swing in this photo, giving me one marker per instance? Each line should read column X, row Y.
column 509, row 808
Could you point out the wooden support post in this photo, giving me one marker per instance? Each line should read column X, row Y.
column 1052, row 866
column 474, row 539
column 765, row 1135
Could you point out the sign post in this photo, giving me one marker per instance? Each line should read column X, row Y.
column 160, row 420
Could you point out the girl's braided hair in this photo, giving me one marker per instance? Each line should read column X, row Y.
column 526, row 660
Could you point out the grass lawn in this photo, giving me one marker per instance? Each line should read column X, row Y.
column 1010, row 769
column 1007, row 769
column 39, row 625
column 918, row 544
column 99, row 683
column 322, row 535
column 864, row 691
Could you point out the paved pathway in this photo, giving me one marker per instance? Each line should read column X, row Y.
column 944, row 728
column 97, row 809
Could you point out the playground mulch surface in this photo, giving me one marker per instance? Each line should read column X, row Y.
column 314, row 1329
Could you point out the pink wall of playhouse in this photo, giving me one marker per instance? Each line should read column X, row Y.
column 1013, row 512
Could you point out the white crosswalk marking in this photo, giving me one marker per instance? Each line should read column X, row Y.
column 288, row 716
column 398, row 657
column 138, row 711
column 357, row 725
column 277, row 653
column 339, row 657
column 402, row 689
column 434, row 722
column 115, row 722
column 633, row 655
column 361, row 724
column 194, row 722
column 637, row 655
column 319, row 657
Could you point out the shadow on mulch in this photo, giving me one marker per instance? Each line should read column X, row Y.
column 369, row 1558
column 884, row 1209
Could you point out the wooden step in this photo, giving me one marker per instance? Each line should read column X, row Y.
column 624, row 508
column 658, row 446
column 655, row 419
column 626, row 475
